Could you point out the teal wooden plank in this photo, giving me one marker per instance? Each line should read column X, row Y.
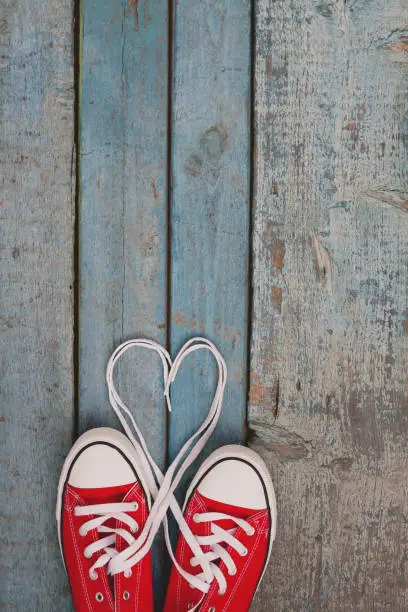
column 36, row 314
column 210, row 208
column 123, row 162
column 123, row 211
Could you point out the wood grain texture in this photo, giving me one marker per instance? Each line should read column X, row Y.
column 210, row 208
column 36, row 322
column 123, row 211
column 123, row 208
column 329, row 392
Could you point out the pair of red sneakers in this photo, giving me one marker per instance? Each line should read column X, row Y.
column 112, row 499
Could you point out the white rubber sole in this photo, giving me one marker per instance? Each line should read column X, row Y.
column 94, row 436
column 235, row 451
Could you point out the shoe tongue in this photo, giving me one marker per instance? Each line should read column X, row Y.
column 213, row 505
column 103, row 495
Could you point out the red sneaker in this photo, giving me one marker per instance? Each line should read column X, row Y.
column 102, row 502
column 230, row 522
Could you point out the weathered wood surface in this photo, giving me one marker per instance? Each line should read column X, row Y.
column 123, row 212
column 210, row 208
column 36, row 322
column 329, row 392
column 329, row 346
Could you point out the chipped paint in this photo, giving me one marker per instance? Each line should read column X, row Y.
column 197, row 325
column 257, row 391
column 283, row 444
column 400, row 45
column 134, row 4
column 279, row 254
column 393, row 197
column 277, row 298
column 322, row 261
column 332, row 134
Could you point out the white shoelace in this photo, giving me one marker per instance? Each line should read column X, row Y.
column 162, row 487
column 218, row 552
column 103, row 513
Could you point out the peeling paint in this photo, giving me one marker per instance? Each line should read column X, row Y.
column 397, row 42
column 400, row 45
column 323, row 262
column 277, row 298
column 279, row 254
column 193, row 323
column 134, row 4
column 393, row 197
column 283, row 444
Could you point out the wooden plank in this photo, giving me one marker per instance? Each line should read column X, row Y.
column 123, row 211
column 36, row 315
column 210, row 208
column 329, row 394
column 123, row 206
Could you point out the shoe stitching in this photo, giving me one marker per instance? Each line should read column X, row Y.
column 196, row 504
column 138, row 576
column 239, row 581
column 79, row 560
column 137, row 492
column 138, row 582
column 138, row 495
column 94, row 536
column 183, row 547
column 264, row 525
column 117, row 587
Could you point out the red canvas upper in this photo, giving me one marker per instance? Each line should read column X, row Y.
column 181, row 597
column 132, row 593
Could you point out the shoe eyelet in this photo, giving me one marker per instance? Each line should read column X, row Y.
column 135, row 507
column 252, row 532
column 196, row 518
column 244, row 552
column 82, row 531
column 212, row 609
column 126, row 595
column 93, row 575
column 135, row 528
column 233, row 572
column 127, row 573
column 99, row 597
column 87, row 554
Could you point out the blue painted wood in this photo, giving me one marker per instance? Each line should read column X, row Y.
column 210, row 208
column 36, row 308
column 123, row 208
column 123, row 205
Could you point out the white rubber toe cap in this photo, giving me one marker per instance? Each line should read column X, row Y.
column 235, row 482
column 100, row 465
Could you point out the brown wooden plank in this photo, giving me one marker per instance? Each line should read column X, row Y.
column 36, row 322
column 329, row 393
